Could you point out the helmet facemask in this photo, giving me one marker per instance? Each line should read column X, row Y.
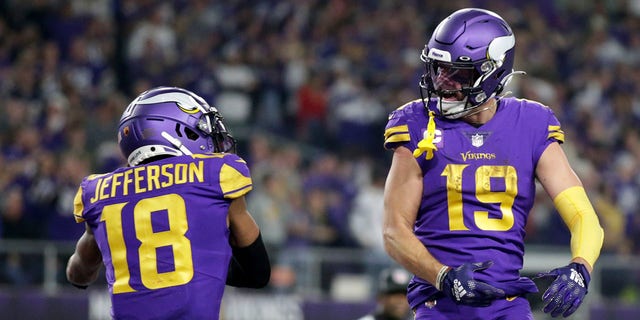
column 458, row 86
column 211, row 123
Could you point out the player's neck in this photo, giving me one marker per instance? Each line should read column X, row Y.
column 484, row 114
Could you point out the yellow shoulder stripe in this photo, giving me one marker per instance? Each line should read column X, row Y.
column 404, row 129
column 556, row 133
column 233, row 183
column 398, row 138
column 78, row 206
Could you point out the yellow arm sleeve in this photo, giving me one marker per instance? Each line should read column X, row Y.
column 578, row 214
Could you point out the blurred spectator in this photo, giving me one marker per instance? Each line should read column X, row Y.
column 16, row 218
column 311, row 111
column 329, row 192
column 155, row 34
column 60, row 221
column 355, row 115
column 319, row 223
column 391, row 297
column 237, row 81
column 19, row 223
column 366, row 216
column 612, row 219
column 269, row 207
column 366, row 220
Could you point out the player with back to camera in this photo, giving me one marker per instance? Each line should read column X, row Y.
column 172, row 228
column 462, row 182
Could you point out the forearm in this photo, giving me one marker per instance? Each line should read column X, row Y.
column 402, row 198
column 409, row 252
column 249, row 266
column 84, row 264
column 579, row 216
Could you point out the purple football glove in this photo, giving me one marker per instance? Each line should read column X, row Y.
column 460, row 285
column 567, row 291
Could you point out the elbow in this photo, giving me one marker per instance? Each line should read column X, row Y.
column 387, row 235
column 71, row 271
column 74, row 277
column 80, row 274
column 390, row 237
column 71, row 277
column 397, row 236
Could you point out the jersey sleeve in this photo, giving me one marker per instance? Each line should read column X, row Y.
column 78, row 206
column 235, row 177
column 397, row 131
column 550, row 130
column 81, row 199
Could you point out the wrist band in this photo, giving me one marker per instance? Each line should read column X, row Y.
column 441, row 274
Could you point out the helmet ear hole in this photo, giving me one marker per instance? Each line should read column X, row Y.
column 191, row 135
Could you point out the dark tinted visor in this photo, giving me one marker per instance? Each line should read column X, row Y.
column 447, row 76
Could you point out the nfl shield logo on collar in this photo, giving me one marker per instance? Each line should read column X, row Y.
column 477, row 140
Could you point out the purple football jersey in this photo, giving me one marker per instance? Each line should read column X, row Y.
column 162, row 231
column 478, row 188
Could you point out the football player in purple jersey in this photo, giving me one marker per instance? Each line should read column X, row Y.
column 462, row 182
column 172, row 228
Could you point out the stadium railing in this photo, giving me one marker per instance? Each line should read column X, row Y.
column 345, row 276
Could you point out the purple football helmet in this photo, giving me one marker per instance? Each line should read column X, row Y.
column 169, row 121
column 468, row 60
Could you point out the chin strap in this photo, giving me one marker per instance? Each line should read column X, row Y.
column 426, row 145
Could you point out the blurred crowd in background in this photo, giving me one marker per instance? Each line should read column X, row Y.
column 306, row 87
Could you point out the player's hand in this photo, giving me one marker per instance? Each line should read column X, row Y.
column 567, row 291
column 460, row 285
